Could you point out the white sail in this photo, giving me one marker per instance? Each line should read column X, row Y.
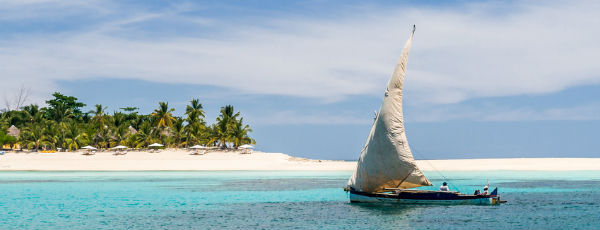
column 386, row 160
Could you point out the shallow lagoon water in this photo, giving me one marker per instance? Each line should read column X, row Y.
column 284, row 200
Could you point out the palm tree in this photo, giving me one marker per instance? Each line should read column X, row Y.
column 61, row 136
column 35, row 136
column 75, row 138
column 32, row 113
column 119, row 119
column 137, row 120
column 239, row 134
column 52, row 132
column 222, row 130
column 61, row 113
column 194, row 111
column 227, row 113
column 103, row 123
column 120, row 134
column 195, row 134
column 177, row 131
column 163, row 115
column 144, row 136
column 102, row 138
column 7, row 139
column 4, row 122
column 215, row 134
column 99, row 115
column 195, row 121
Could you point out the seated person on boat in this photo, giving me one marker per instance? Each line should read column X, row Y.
column 444, row 187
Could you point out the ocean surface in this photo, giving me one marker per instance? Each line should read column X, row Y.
column 284, row 200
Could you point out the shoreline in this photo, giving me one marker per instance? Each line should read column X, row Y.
column 183, row 160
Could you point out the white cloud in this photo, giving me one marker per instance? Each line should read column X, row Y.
column 458, row 53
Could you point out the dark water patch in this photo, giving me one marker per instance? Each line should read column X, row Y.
column 293, row 184
column 283, row 184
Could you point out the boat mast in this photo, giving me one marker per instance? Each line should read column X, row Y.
column 407, row 175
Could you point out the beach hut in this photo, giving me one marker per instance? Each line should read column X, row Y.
column 167, row 132
column 14, row 131
column 132, row 131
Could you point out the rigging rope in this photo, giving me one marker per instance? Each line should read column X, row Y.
column 436, row 170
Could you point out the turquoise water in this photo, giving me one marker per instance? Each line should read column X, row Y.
column 284, row 200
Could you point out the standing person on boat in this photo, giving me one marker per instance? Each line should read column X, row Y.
column 444, row 187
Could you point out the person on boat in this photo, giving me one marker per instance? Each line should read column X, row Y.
column 485, row 190
column 477, row 192
column 444, row 187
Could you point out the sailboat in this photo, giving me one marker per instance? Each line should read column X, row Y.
column 386, row 170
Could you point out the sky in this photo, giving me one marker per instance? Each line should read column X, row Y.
column 485, row 79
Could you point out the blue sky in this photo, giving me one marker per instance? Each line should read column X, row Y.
column 485, row 78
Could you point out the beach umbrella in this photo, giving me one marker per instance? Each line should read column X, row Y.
column 156, row 145
column 120, row 147
column 197, row 147
column 246, row 147
column 88, row 147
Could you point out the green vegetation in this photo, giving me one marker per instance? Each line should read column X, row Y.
column 64, row 125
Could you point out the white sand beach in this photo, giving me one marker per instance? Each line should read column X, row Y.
column 181, row 160
column 167, row 160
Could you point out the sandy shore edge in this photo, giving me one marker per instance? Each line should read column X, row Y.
column 181, row 160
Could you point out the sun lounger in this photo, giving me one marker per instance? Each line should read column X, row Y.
column 246, row 151
column 199, row 152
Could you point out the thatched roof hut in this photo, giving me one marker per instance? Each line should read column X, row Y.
column 132, row 130
column 167, row 132
column 14, row 131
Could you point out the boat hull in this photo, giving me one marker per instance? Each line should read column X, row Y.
column 424, row 197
